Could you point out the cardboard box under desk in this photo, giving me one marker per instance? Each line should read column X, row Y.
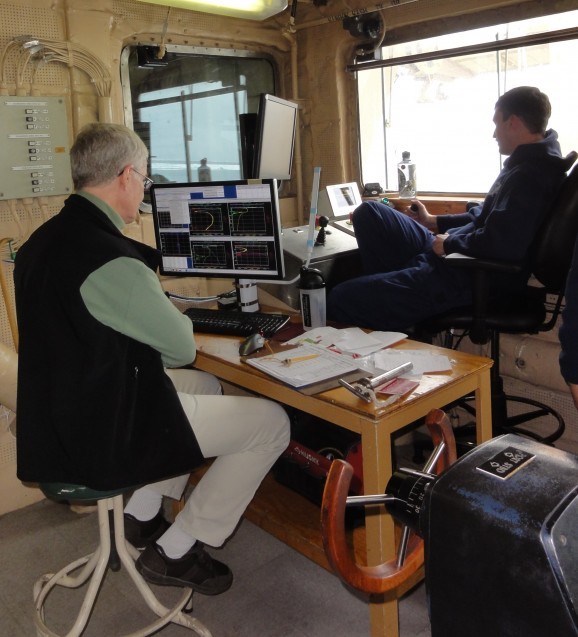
column 338, row 260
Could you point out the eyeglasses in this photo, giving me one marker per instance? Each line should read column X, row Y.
column 147, row 181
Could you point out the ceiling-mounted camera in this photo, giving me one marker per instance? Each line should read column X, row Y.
column 367, row 26
column 150, row 56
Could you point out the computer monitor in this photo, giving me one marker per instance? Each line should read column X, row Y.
column 247, row 128
column 274, row 138
column 337, row 202
column 219, row 229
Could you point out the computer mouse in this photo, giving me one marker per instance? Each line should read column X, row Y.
column 251, row 344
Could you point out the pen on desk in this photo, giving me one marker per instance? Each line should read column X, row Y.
column 298, row 359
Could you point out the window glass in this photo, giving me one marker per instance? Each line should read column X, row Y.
column 441, row 110
column 187, row 109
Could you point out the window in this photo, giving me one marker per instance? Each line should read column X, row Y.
column 186, row 108
column 440, row 110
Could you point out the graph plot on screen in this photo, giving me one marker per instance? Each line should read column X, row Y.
column 219, row 229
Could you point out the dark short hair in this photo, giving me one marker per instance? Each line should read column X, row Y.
column 529, row 104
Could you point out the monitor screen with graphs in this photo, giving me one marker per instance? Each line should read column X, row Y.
column 219, row 229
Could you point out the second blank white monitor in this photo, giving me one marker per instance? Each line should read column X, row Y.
column 337, row 202
column 274, row 138
column 343, row 198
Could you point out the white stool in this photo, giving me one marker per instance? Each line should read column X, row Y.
column 112, row 551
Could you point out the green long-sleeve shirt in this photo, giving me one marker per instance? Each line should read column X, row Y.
column 127, row 296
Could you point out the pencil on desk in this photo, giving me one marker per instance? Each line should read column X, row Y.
column 269, row 348
column 298, row 359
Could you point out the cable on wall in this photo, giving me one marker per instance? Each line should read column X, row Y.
column 36, row 52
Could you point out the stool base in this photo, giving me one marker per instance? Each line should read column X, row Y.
column 93, row 567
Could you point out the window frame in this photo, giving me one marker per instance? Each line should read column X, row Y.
column 495, row 46
column 193, row 51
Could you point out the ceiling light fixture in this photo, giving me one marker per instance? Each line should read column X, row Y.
column 249, row 9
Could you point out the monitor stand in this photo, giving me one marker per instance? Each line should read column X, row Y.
column 247, row 295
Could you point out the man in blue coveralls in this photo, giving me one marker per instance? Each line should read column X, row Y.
column 406, row 278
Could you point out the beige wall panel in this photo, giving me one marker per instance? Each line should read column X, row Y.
column 532, row 360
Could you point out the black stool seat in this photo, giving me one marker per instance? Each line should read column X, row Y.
column 76, row 492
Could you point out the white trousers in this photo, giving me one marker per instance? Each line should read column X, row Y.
column 245, row 436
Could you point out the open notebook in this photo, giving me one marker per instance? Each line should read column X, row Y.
column 307, row 366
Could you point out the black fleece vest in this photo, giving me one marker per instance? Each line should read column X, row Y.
column 95, row 407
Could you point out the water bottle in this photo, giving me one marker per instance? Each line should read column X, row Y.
column 406, row 177
column 204, row 171
column 312, row 295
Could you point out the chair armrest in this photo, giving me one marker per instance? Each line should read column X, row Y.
column 455, row 259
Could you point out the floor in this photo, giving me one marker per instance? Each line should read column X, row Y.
column 276, row 592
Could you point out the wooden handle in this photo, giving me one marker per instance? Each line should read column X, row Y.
column 387, row 576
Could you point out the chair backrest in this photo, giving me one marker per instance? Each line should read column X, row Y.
column 554, row 243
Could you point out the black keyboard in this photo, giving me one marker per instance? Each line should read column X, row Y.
column 235, row 322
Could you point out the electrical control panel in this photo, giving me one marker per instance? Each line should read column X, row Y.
column 35, row 157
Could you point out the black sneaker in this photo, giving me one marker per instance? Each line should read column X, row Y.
column 196, row 570
column 142, row 534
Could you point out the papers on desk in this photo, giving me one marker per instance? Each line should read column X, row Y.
column 424, row 362
column 351, row 340
column 315, row 360
column 304, row 365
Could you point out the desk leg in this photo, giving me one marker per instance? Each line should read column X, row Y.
column 379, row 526
column 484, row 408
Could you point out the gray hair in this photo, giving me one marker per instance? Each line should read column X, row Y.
column 101, row 151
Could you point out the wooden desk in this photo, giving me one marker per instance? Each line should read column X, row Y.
column 376, row 425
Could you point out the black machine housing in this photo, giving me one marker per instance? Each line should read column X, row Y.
column 500, row 528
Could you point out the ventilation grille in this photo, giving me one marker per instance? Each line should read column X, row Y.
column 5, row 332
column 28, row 218
column 7, row 450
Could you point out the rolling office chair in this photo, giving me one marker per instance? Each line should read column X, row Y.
column 526, row 312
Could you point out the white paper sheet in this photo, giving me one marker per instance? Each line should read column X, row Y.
column 350, row 340
column 423, row 362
